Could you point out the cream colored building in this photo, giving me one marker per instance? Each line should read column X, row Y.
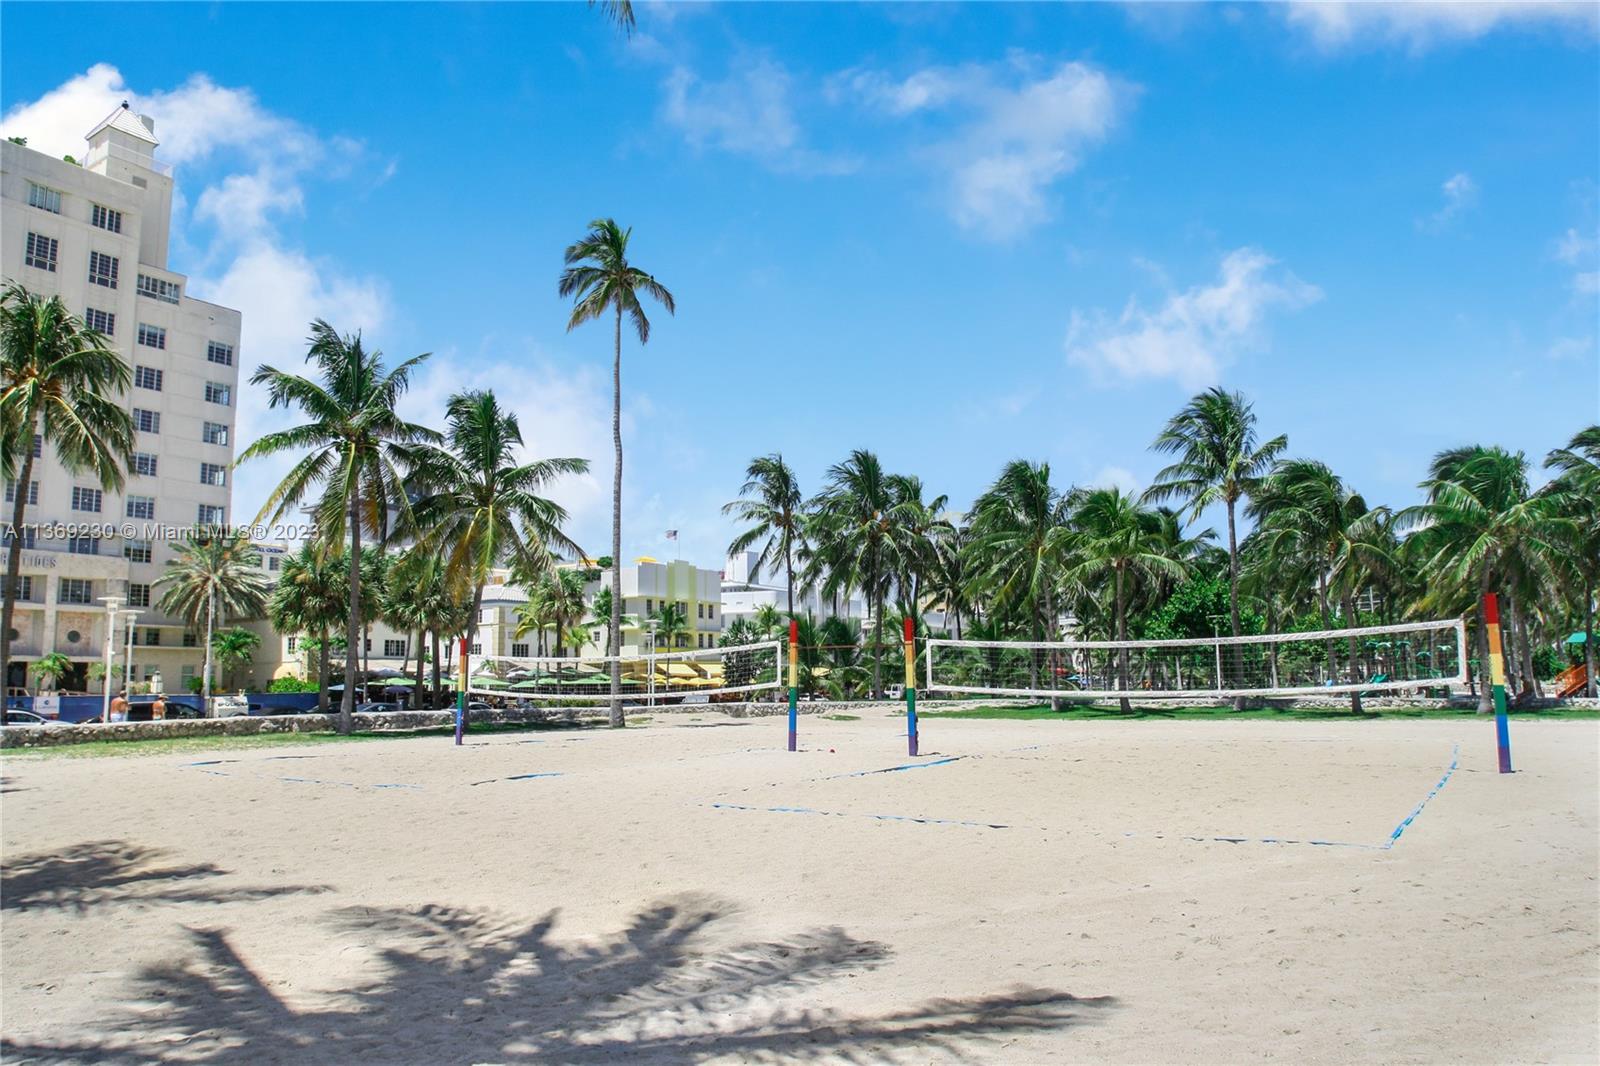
column 97, row 235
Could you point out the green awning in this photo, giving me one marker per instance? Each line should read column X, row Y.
column 1578, row 638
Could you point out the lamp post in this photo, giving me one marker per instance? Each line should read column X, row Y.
column 112, row 603
column 127, row 665
column 650, row 671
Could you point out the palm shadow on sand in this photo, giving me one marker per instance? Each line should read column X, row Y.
column 461, row 987
column 103, row 872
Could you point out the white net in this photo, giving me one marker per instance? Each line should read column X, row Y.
column 1372, row 659
column 702, row 675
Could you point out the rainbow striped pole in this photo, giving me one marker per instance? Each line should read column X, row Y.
column 1497, row 677
column 461, row 694
column 794, row 683
column 911, row 685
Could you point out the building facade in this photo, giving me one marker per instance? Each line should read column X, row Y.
column 746, row 590
column 96, row 235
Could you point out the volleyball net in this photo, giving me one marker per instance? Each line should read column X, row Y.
column 701, row 675
column 1369, row 660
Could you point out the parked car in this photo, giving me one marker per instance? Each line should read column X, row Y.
column 29, row 718
column 377, row 708
column 140, row 709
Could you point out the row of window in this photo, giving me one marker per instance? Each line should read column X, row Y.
column 43, row 252
column 704, row 611
column 206, row 514
column 89, row 500
column 48, row 199
column 152, row 336
column 79, row 590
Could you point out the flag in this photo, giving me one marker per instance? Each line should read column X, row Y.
column 672, row 534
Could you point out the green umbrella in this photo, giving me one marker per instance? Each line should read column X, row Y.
column 400, row 682
column 527, row 686
column 1578, row 638
column 488, row 681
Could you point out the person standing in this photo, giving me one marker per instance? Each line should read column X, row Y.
column 119, row 706
column 158, row 709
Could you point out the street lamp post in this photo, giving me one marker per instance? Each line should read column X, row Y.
column 112, row 603
column 650, row 672
column 127, row 665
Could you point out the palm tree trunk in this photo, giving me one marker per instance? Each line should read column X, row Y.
column 617, row 720
column 1588, row 636
column 205, row 680
column 352, row 648
column 1122, row 652
column 1530, row 678
column 323, row 669
column 1355, row 656
column 1327, row 623
column 877, row 647
column 418, row 690
column 472, row 631
column 1233, row 603
column 437, row 666
column 788, row 565
column 14, row 559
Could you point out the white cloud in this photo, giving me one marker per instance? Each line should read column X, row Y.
column 1460, row 193
column 1021, row 130
column 1586, row 282
column 1572, row 246
column 1115, row 477
column 1194, row 334
column 1570, row 347
column 256, row 163
column 1334, row 26
column 750, row 113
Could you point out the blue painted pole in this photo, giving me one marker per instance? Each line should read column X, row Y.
column 794, row 684
column 461, row 694
column 911, row 686
column 1497, row 679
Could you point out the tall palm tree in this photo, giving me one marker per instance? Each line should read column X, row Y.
column 310, row 598
column 234, row 647
column 356, row 448
column 1479, row 526
column 1306, row 514
column 560, row 595
column 479, row 506
column 1579, row 489
column 949, row 575
column 619, row 12
column 862, row 520
column 1118, row 541
column 1219, row 460
column 59, row 383
column 214, row 577
column 672, row 621
column 599, row 278
column 600, row 614
column 771, row 502
column 925, row 527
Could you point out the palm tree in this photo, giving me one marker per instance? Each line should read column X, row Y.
column 216, row 573
column 598, row 278
column 672, row 621
column 480, row 506
column 949, row 576
column 48, row 670
column 534, row 615
column 1117, row 540
column 1310, row 520
column 925, row 527
column 862, row 520
column 59, row 385
column 768, row 621
column 1480, row 526
column 234, row 647
column 565, row 597
column 1218, row 461
column 406, row 606
column 1579, row 488
column 357, row 447
column 619, row 12
column 770, row 501
column 600, row 614
column 308, row 599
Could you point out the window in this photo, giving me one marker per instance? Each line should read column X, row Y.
column 102, row 269
column 139, row 596
column 86, row 499
column 216, row 392
column 519, row 651
column 24, row 589
column 33, row 492
column 144, row 464
column 220, row 353
column 141, row 507
column 215, row 433
column 190, row 641
column 106, row 218
column 274, row 563
column 476, row 649
column 188, row 673
column 367, row 645
column 700, row 610
column 711, row 612
column 147, row 377
column 136, row 551
column 213, row 474
column 101, row 321
column 152, row 637
column 158, row 289
column 209, row 515
column 146, row 421
column 75, row 590
column 30, row 538
column 152, row 336
column 41, row 252
column 683, row 640
column 394, row 649
column 83, row 546
column 649, row 607
column 41, row 197
column 293, row 641
column 38, row 445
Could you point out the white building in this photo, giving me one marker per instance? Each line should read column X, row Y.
column 97, row 236
column 743, row 595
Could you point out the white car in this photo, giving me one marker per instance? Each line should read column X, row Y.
column 20, row 717
column 229, row 706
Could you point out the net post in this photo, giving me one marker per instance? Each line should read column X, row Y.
column 794, row 683
column 1497, row 678
column 461, row 694
column 911, row 685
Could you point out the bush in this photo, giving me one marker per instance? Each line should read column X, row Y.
column 291, row 684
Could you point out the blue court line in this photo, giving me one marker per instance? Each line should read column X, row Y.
column 1455, row 753
column 896, row 769
column 851, row 814
column 514, row 777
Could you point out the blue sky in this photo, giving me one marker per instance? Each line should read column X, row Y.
column 952, row 234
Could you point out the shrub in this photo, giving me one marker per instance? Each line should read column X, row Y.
column 291, row 684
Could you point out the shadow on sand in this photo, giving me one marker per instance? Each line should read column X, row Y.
column 112, row 871
column 455, row 986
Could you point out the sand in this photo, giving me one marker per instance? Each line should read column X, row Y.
column 1140, row 891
